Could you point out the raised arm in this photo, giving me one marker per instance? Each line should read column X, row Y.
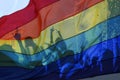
column 17, row 36
column 51, row 35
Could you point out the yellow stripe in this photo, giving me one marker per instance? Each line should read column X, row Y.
column 69, row 27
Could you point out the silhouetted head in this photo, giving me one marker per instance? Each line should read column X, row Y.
column 29, row 41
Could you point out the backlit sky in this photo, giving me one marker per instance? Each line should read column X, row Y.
column 10, row 6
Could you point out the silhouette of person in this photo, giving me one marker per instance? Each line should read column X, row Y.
column 107, row 60
column 29, row 44
column 61, row 50
column 29, row 48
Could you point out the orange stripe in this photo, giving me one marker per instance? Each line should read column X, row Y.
column 50, row 15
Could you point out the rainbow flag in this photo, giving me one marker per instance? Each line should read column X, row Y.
column 60, row 40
